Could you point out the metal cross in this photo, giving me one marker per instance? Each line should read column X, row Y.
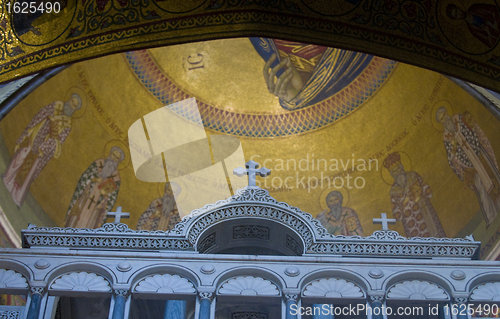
column 118, row 215
column 384, row 221
column 251, row 171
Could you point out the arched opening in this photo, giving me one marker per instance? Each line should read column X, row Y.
column 250, row 236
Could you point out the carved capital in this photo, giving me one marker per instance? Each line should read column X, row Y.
column 461, row 300
column 38, row 289
column 121, row 292
column 291, row 297
column 377, row 297
column 206, row 295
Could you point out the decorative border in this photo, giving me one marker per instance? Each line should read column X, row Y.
column 358, row 30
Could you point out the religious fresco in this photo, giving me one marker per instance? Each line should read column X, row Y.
column 464, row 23
column 410, row 198
column 162, row 213
column 331, row 93
column 338, row 219
column 472, row 159
column 96, row 192
column 337, row 145
column 40, row 141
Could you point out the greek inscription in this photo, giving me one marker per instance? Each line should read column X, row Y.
column 195, row 61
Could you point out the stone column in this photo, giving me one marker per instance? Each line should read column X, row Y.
column 323, row 314
column 205, row 303
column 37, row 291
column 376, row 300
column 175, row 309
column 120, row 300
column 460, row 307
column 291, row 306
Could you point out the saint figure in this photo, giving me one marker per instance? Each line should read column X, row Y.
column 162, row 213
column 472, row 159
column 411, row 201
column 40, row 141
column 339, row 220
column 482, row 21
column 304, row 74
column 96, row 192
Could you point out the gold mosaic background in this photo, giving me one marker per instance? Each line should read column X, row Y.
column 399, row 116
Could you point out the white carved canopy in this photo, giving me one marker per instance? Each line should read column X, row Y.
column 256, row 204
column 333, row 288
column 81, row 281
column 248, row 286
column 417, row 290
column 486, row 292
column 12, row 279
column 166, row 284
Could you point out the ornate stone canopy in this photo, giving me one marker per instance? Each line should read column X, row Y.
column 246, row 212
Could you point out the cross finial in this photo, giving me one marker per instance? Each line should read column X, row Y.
column 251, row 171
column 118, row 215
column 384, row 221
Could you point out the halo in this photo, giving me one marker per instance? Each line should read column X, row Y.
column 182, row 195
column 442, row 10
column 324, row 194
column 386, row 175
column 449, row 108
column 110, row 144
column 75, row 89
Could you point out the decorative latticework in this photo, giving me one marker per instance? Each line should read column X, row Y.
column 12, row 312
column 251, row 232
column 248, row 315
column 254, row 203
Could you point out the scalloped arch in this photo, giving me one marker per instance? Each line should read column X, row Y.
column 489, row 291
column 80, row 281
column 333, row 288
column 248, row 286
column 79, row 266
column 422, row 275
column 165, row 283
column 346, row 274
column 164, row 268
column 416, row 290
column 12, row 279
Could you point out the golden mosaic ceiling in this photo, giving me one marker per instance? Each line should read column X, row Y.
column 326, row 121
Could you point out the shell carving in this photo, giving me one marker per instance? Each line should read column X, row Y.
column 486, row 292
column 333, row 288
column 81, row 281
column 165, row 284
column 12, row 279
column 249, row 286
column 417, row 290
